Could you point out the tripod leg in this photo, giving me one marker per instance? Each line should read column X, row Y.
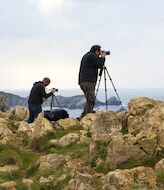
column 98, row 86
column 114, row 87
column 57, row 101
column 106, row 99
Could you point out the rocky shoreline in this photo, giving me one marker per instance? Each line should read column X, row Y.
column 104, row 151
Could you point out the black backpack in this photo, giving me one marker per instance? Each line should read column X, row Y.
column 55, row 114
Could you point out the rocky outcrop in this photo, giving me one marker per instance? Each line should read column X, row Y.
column 105, row 150
column 5, row 133
column 137, row 178
column 123, row 149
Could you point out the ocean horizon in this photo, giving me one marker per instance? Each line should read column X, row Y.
column 124, row 94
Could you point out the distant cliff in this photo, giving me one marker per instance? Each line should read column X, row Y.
column 14, row 100
column 72, row 102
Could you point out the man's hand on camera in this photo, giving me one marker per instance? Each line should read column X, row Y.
column 54, row 90
column 103, row 54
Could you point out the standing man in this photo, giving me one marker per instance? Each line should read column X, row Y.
column 37, row 95
column 90, row 63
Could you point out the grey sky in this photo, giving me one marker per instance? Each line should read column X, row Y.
column 48, row 38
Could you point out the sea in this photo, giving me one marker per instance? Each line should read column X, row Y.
column 124, row 94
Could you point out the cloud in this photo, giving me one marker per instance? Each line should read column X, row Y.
column 47, row 6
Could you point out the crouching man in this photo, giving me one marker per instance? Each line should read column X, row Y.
column 36, row 97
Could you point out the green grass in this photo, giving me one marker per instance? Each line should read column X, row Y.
column 13, row 155
column 150, row 161
column 102, row 168
column 124, row 130
column 74, row 150
column 101, row 153
column 10, row 176
column 41, row 144
column 62, row 132
column 21, row 186
column 160, row 177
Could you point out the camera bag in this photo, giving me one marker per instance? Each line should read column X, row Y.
column 55, row 114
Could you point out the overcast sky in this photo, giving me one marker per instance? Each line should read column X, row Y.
column 41, row 38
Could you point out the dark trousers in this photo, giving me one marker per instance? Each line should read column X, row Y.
column 89, row 91
column 34, row 110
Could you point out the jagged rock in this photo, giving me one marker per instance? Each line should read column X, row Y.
column 51, row 162
column 147, row 140
column 160, row 166
column 4, row 103
column 139, row 106
column 41, row 126
column 67, row 123
column 123, row 149
column 83, row 137
column 24, row 127
column 82, row 182
column 144, row 113
column 5, row 133
column 8, row 185
column 146, row 120
column 66, row 140
column 20, row 113
column 140, row 178
column 87, row 120
column 105, row 126
column 28, row 182
column 52, row 180
column 8, row 168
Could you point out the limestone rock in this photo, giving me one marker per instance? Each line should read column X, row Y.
column 145, row 113
column 41, row 126
column 147, row 140
column 20, row 113
column 140, row 177
column 66, row 140
column 67, row 123
column 82, row 182
column 27, row 182
column 83, row 137
column 105, row 126
column 87, row 120
column 51, row 162
column 8, row 168
column 8, row 185
column 139, row 106
column 5, row 133
column 4, row 103
column 160, row 166
column 123, row 149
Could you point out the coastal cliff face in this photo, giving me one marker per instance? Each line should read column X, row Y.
column 8, row 100
column 103, row 151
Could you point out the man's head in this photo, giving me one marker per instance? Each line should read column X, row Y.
column 46, row 81
column 96, row 49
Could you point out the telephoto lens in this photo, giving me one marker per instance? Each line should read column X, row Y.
column 108, row 52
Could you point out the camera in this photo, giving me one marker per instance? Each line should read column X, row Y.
column 107, row 52
column 56, row 89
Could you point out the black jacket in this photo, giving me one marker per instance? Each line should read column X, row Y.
column 38, row 93
column 89, row 67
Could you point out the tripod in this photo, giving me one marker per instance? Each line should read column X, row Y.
column 106, row 73
column 52, row 100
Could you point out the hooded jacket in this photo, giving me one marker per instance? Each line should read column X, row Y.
column 38, row 93
column 90, row 64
